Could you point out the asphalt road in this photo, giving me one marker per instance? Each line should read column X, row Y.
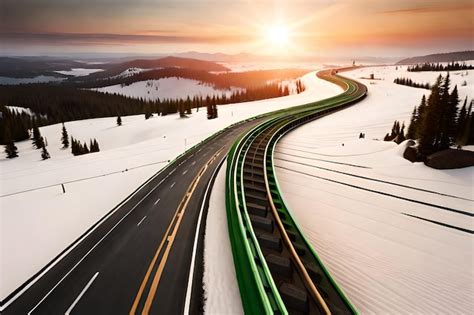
column 137, row 260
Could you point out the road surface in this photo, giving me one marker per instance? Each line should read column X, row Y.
column 138, row 260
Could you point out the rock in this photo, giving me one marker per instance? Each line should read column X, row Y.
column 411, row 154
column 450, row 158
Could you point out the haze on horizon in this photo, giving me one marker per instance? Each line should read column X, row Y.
column 381, row 28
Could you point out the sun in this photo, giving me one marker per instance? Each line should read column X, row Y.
column 278, row 35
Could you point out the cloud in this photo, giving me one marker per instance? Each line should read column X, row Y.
column 112, row 39
column 433, row 9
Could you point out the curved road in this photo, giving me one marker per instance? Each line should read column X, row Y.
column 138, row 259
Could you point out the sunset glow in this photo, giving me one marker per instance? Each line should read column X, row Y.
column 267, row 26
column 278, row 35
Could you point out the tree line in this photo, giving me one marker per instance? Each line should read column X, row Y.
column 54, row 104
column 410, row 82
column 437, row 123
column 39, row 142
column 226, row 80
column 453, row 66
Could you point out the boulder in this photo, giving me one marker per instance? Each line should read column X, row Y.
column 411, row 154
column 450, row 158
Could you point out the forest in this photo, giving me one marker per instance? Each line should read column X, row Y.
column 453, row 66
column 225, row 80
column 438, row 123
column 410, row 82
column 56, row 103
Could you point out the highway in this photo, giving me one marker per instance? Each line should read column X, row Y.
column 138, row 259
column 145, row 256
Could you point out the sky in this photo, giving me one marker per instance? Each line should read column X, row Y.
column 383, row 28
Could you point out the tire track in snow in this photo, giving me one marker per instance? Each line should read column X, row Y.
column 369, row 178
column 382, row 193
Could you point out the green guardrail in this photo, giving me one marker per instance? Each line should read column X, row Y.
column 258, row 291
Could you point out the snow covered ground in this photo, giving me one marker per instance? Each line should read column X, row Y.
column 358, row 202
column 221, row 290
column 171, row 88
column 53, row 220
column 79, row 72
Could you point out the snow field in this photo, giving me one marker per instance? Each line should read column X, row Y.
column 384, row 260
column 166, row 88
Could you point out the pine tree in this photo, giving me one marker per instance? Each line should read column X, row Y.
column 96, row 146
column 401, row 135
column 10, row 148
column 148, row 112
column 420, row 117
column 65, row 138
column 470, row 125
column 119, row 120
column 37, row 139
column 429, row 139
column 188, row 106
column 44, row 153
column 411, row 132
column 181, row 111
column 85, row 150
column 447, row 112
column 461, row 122
column 214, row 110
column 450, row 118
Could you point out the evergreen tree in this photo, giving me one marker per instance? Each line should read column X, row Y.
column 420, row 117
column 65, row 138
column 85, row 150
column 181, row 108
column 119, row 120
column 411, row 132
column 401, row 135
column 430, row 134
column 461, row 122
column 37, row 139
column 44, row 153
column 450, row 120
column 188, row 106
column 470, row 125
column 214, row 110
column 147, row 110
column 96, row 146
column 10, row 148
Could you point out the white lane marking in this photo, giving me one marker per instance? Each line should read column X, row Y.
column 171, row 172
column 90, row 250
column 74, row 245
column 157, row 200
column 81, row 294
column 184, row 173
column 172, row 185
column 199, row 150
column 196, row 237
column 194, row 162
column 141, row 221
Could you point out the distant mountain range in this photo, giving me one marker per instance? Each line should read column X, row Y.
column 445, row 57
column 28, row 67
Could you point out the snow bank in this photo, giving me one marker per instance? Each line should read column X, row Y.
column 43, row 222
column 384, row 260
column 79, row 72
column 221, row 290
